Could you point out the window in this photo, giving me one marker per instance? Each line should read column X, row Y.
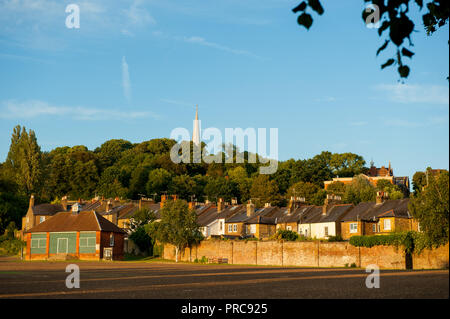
column 387, row 224
column 353, row 227
column 111, row 240
column 235, row 228
column 39, row 243
column 230, row 228
column 87, row 241
column 288, row 227
column 252, row 229
column 41, row 219
column 326, row 231
column 221, row 225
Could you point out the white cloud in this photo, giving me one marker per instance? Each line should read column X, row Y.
column 126, row 80
column 416, row 93
column 13, row 109
column 204, row 42
column 138, row 15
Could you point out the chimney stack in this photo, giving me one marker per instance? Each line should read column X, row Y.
column 31, row 201
column 250, row 209
column 381, row 197
column 220, row 205
column 64, row 203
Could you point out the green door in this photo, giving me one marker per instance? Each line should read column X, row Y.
column 63, row 245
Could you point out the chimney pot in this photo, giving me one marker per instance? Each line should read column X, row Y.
column 250, row 209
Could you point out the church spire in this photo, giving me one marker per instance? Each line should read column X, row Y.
column 196, row 129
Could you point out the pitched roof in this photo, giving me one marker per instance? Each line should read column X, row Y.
column 83, row 221
column 372, row 211
column 47, row 209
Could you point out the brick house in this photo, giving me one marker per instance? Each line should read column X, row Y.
column 83, row 235
column 37, row 214
column 378, row 218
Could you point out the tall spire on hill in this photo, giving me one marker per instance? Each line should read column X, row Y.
column 196, row 130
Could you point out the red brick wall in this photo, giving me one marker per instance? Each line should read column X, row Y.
column 309, row 254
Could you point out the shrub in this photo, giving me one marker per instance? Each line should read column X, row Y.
column 411, row 241
column 337, row 238
column 11, row 246
column 288, row 235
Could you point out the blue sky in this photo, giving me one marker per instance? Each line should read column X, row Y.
column 135, row 69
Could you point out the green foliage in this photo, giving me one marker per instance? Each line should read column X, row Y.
column 264, row 191
column 431, row 208
column 410, row 241
column 394, row 191
column 359, row 190
column 12, row 205
column 178, row 226
column 142, row 240
column 394, row 16
column 11, row 246
column 336, row 238
column 419, row 181
column 24, row 161
column 288, row 235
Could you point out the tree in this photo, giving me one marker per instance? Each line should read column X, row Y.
column 394, row 16
column 13, row 205
column 177, row 227
column 419, row 181
column 394, row 191
column 110, row 184
column 346, row 164
column 359, row 190
column 220, row 187
column 336, row 188
column 139, row 235
column 158, row 181
column 430, row 208
column 306, row 190
column 183, row 186
column 24, row 160
column 111, row 151
column 264, row 191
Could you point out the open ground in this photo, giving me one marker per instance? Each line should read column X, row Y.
column 42, row 279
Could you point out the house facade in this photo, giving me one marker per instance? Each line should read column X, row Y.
column 83, row 235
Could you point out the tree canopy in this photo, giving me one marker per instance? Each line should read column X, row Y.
column 430, row 208
column 177, row 226
column 393, row 19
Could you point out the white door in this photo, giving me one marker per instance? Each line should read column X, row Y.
column 62, row 246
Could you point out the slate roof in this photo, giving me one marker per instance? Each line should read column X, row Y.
column 83, row 221
column 47, row 209
column 371, row 211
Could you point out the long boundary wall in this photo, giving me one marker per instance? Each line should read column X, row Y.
column 310, row 254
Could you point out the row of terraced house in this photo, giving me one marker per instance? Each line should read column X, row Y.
column 99, row 228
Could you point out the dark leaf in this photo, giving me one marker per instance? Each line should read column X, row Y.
column 388, row 63
column 383, row 27
column 300, row 7
column 400, row 29
column 419, row 3
column 403, row 70
column 316, row 6
column 305, row 20
column 384, row 46
column 407, row 53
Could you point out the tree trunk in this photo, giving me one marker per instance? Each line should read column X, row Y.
column 176, row 254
